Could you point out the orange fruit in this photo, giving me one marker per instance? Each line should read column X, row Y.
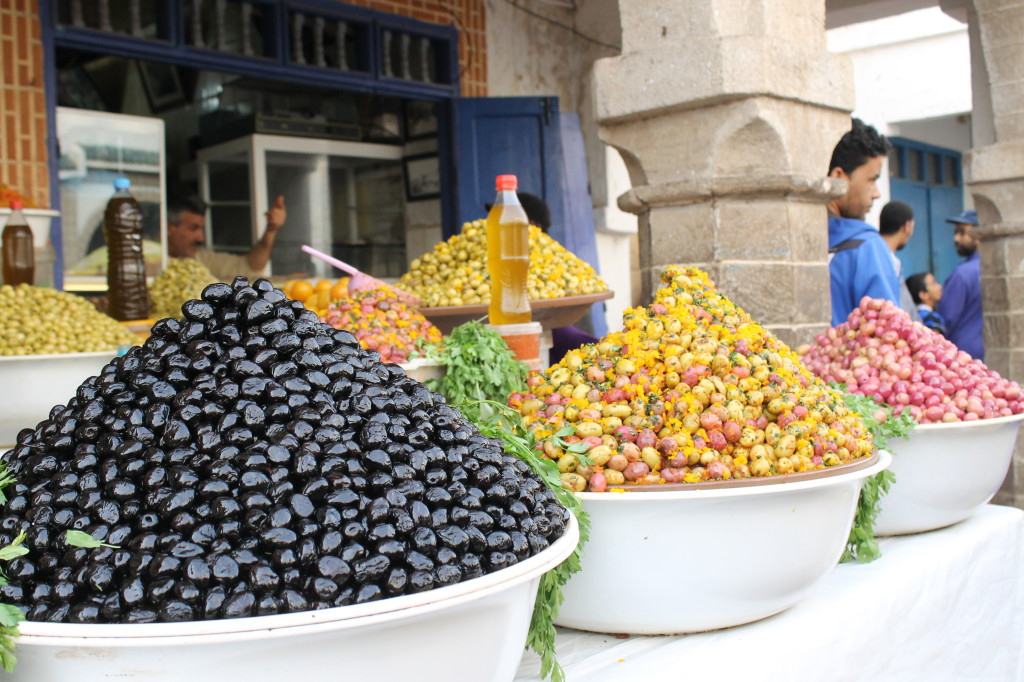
column 301, row 290
column 287, row 288
column 339, row 290
column 323, row 285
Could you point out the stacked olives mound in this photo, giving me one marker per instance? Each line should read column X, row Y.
column 42, row 321
column 250, row 460
column 183, row 279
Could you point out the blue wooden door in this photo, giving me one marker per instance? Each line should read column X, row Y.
column 929, row 179
column 504, row 135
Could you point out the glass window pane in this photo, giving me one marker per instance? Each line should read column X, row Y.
column 896, row 162
column 914, row 165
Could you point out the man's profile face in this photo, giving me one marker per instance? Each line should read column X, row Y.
column 185, row 236
column 964, row 239
column 907, row 233
column 862, row 188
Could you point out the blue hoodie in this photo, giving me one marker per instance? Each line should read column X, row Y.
column 858, row 270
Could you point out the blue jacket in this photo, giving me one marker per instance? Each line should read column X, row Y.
column 961, row 306
column 860, row 264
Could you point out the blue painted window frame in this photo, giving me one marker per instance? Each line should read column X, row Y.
column 175, row 51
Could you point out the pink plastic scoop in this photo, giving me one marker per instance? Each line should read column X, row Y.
column 360, row 281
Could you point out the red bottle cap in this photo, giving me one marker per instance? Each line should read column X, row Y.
column 506, row 182
column 17, row 205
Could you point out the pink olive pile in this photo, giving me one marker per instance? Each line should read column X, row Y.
column 879, row 352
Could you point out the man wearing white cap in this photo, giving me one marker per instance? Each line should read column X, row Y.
column 960, row 305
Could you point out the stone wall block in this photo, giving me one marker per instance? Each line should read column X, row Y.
column 811, row 293
column 994, row 256
column 765, row 290
column 1014, row 292
column 1016, row 369
column 752, row 230
column 998, row 359
column 994, row 295
column 808, row 231
column 682, row 234
column 996, row 329
column 1015, row 329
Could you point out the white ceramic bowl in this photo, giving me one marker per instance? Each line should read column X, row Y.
column 30, row 385
column 422, row 369
column 474, row 630
column 713, row 557
column 945, row 472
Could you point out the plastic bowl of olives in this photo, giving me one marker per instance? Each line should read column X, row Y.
column 946, row 472
column 475, row 630
column 690, row 558
column 35, row 383
column 252, row 494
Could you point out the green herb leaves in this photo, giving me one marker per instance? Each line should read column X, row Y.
column 77, row 538
column 480, row 367
column 883, row 424
column 507, row 425
column 10, row 615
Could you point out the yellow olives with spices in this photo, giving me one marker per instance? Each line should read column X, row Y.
column 692, row 389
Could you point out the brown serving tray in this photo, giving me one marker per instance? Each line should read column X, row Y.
column 550, row 312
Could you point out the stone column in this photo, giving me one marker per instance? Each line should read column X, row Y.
column 994, row 173
column 726, row 113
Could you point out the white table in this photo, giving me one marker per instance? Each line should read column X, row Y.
column 944, row 605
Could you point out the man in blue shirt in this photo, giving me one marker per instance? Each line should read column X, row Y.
column 860, row 262
column 961, row 295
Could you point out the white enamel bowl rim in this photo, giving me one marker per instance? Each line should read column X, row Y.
column 289, row 624
column 112, row 353
column 850, row 473
column 943, row 426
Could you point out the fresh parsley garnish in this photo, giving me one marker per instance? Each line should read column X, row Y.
column 861, row 545
column 506, row 424
column 77, row 538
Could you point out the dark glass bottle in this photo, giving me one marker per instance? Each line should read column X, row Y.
column 127, row 298
column 18, row 252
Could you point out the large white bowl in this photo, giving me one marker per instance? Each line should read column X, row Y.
column 945, row 472
column 474, row 630
column 30, row 385
column 713, row 557
column 422, row 369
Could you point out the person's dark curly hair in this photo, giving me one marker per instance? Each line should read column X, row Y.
column 860, row 143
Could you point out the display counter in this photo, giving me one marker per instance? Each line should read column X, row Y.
column 943, row 605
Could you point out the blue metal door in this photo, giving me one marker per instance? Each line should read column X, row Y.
column 929, row 179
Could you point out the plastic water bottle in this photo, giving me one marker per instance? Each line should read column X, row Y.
column 127, row 298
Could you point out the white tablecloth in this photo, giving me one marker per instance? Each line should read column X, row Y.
column 944, row 605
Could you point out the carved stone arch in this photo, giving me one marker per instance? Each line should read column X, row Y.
column 754, row 145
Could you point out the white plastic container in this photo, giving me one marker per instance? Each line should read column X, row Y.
column 946, row 472
column 474, row 630
column 30, row 385
column 422, row 369
column 701, row 559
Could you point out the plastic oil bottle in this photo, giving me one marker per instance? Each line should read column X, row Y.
column 18, row 252
column 127, row 298
column 508, row 255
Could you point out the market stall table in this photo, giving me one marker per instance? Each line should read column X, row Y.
column 944, row 605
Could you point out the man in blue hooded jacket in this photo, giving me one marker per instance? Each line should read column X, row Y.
column 860, row 261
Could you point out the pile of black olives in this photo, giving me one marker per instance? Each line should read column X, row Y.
column 249, row 460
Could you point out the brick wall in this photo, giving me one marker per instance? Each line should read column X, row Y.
column 468, row 17
column 22, row 102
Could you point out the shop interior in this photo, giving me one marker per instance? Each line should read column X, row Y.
column 347, row 163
